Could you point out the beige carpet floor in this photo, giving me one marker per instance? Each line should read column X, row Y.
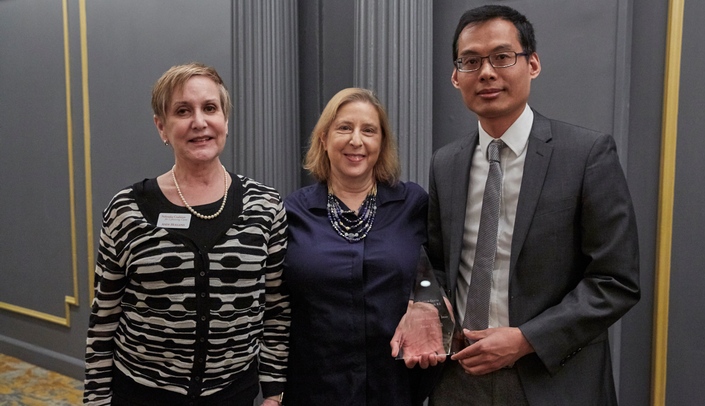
column 24, row 384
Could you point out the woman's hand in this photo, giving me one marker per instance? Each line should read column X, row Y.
column 271, row 401
column 419, row 336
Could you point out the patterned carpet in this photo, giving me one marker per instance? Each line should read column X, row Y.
column 23, row 384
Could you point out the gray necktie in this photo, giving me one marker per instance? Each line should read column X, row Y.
column 478, row 304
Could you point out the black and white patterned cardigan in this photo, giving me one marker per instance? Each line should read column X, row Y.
column 174, row 317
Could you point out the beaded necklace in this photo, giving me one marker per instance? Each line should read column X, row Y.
column 191, row 209
column 353, row 227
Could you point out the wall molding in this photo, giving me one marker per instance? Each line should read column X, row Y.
column 34, row 354
column 669, row 135
column 88, row 177
column 71, row 300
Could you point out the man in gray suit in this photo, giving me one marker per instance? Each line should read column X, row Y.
column 565, row 263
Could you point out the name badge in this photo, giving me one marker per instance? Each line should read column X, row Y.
column 174, row 220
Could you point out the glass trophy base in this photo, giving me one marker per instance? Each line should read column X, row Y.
column 428, row 326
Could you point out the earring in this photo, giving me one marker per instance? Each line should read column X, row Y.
column 166, row 142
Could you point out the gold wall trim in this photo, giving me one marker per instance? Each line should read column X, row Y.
column 68, row 300
column 72, row 183
column 669, row 133
column 64, row 321
column 87, row 150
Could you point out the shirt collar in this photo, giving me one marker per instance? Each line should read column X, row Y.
column 517, row 135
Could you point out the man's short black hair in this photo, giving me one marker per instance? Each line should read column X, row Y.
column 489, row 12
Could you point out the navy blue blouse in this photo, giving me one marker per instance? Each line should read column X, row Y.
column 347, row 299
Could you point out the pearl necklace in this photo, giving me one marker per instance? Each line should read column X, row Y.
column 191, row 209
column 353, row 227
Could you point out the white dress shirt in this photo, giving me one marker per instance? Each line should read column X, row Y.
column 516, row 138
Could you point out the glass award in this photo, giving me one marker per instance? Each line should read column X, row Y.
column 428, row 325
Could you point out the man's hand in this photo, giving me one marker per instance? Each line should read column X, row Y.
column 493, row 349
column 419, row 336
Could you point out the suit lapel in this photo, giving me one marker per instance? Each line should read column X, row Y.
column 538, row 156
column 462, row 162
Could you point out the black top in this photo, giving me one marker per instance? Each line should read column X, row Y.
column 204, row 233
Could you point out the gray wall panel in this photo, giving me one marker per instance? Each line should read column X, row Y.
column 34, row 165
column 326, row 47
column 310, row 73
column 338, row 46
column 37, row 271
column 646, row 105
column 686, row 316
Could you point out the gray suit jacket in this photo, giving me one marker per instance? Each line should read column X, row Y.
column 574, row 266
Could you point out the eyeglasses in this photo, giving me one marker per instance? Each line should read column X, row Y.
column 503, row 59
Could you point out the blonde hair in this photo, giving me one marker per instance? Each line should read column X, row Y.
column 386, row 170
column 174, row 79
